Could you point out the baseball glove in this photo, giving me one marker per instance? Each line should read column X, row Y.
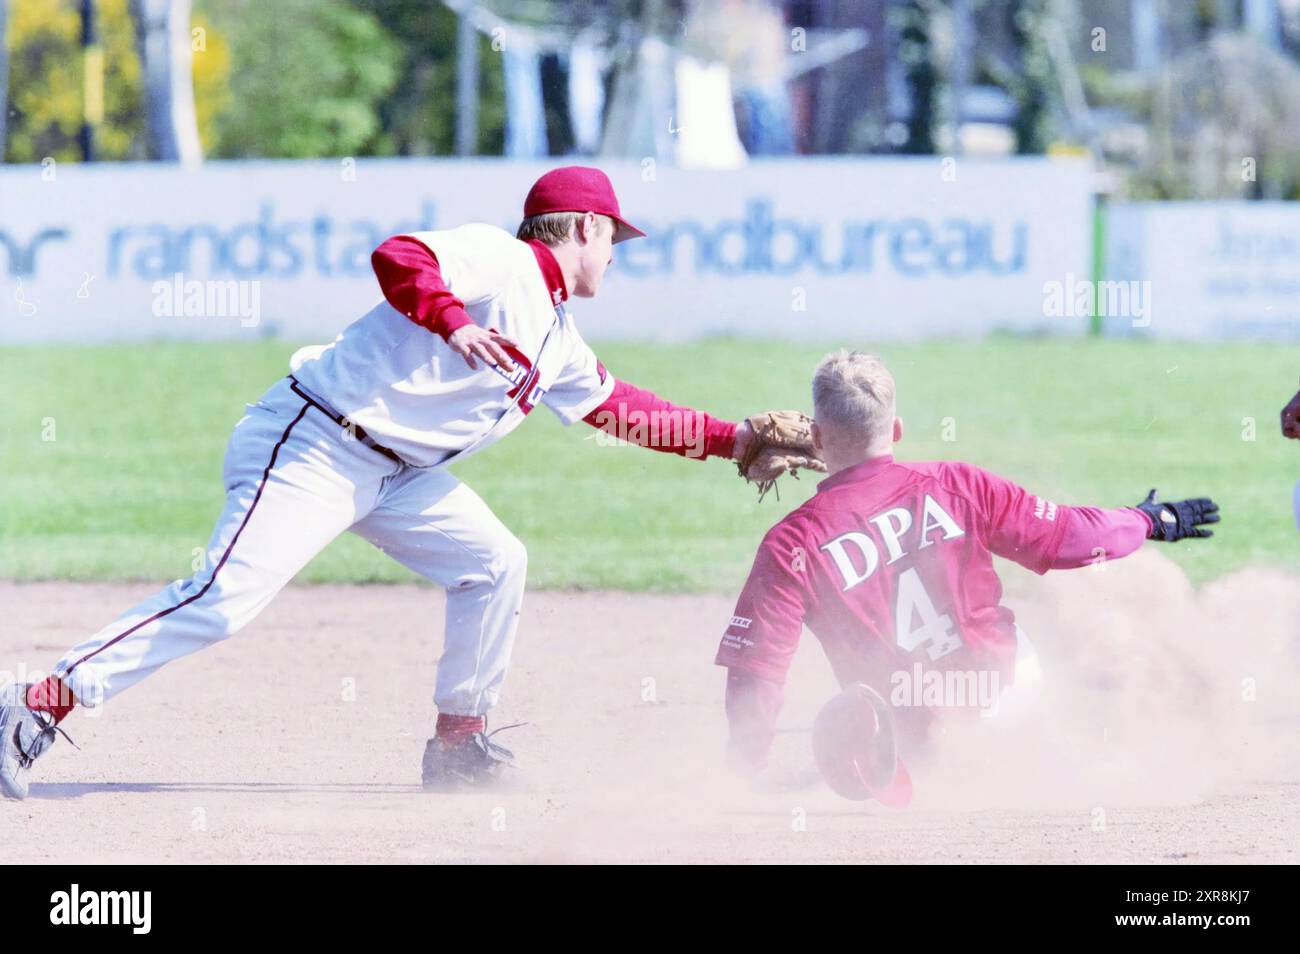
column 781, row 444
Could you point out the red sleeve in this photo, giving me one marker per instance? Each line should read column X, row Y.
column 760, row 642
column 1041, row 535
column 639, row 417
column 765, row 628
column 1017, row 525
column 1093, row 535
column 752, row 707
column 409, row 276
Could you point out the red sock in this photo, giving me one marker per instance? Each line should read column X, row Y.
column 454, row 728
column 51, row 696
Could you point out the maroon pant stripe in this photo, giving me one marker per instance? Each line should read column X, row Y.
column 261, row 485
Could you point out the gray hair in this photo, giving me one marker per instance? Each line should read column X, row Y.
column 853, row 395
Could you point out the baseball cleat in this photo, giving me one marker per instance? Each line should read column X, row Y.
column 473, row 762
column 24, row 735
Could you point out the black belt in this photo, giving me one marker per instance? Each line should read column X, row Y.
column 356, row 430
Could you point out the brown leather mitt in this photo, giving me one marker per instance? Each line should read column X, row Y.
column 782, row 443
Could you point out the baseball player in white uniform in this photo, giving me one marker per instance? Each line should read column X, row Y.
column 472, row 334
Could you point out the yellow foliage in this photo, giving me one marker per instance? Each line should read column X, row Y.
column 44, row 85
column 47, row 81
column 122, row 134
column 211, row 73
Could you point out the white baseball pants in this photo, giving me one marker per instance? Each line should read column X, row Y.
column 294, row 481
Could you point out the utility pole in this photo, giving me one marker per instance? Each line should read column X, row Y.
column 963, row 42
column 163, row 28
column 92, row 58
column 466, row 82
column 4, row 76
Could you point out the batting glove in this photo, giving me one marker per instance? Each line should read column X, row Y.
column 1176, row 521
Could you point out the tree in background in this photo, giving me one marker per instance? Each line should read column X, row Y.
column 1034, row 84
column 306, row 78
column 210, row 60
column 1224, row 123
column 46, row 77
column 301, row 78
column 44, row 103
column 277, row 79
column 419, row 113
column 916, row 50
column 1210, row 111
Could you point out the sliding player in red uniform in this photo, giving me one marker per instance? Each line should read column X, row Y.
column 890, row 565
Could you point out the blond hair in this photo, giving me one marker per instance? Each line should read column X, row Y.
column 853, row 396
column 553, row 228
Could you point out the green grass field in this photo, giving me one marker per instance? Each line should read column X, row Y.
column 110, row 457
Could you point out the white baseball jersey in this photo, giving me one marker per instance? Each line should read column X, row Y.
column 416, row 396
column 294, row 480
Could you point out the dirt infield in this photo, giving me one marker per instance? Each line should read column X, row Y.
column 1168, row 735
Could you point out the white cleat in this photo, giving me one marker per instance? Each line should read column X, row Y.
column 24, row 735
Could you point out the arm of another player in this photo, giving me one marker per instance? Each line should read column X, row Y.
column 643, row 418
column 782, row 444
column 412, row 282
column 1291, row 418
column 758, row 645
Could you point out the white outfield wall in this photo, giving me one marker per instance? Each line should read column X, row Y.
column 852, row 249
column 1216, row 270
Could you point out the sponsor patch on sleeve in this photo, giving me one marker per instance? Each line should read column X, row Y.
column 737, row 636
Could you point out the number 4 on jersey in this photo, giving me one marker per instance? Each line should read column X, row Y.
column 936, row 632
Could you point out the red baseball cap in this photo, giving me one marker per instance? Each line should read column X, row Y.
column 578, row 189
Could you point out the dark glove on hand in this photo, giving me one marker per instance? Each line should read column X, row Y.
column 1185, row 518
